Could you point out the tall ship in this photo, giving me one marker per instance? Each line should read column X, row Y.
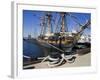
column 61, row 36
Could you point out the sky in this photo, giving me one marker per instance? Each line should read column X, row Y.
column 32, row 19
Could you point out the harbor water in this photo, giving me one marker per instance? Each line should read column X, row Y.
column 32, row 50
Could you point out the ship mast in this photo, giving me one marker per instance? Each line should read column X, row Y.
column 42, row 24
column 48, row 15
column 45, row 24
column 62, row 26
column 63, row 22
